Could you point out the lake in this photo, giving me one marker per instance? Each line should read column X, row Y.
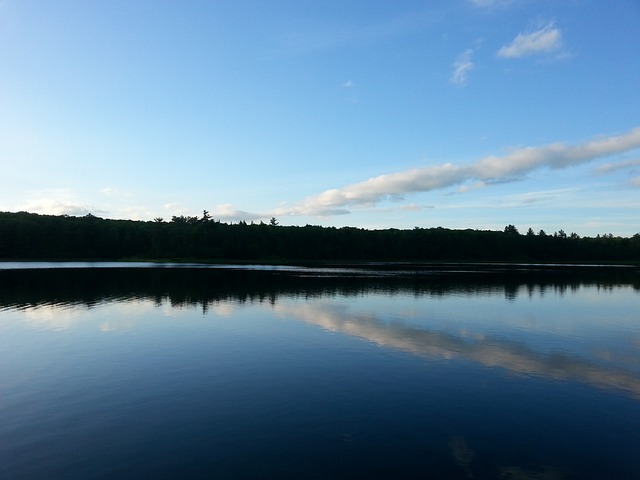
column 135, row 371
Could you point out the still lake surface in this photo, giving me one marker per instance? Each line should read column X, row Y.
column 136, row 371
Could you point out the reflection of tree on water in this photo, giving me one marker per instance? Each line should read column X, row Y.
column 201, row 286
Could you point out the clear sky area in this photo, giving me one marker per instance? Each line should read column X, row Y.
column 367, row 113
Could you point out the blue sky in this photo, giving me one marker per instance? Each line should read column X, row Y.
column 368, row 113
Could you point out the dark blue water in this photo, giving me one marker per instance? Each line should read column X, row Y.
column 296, row 373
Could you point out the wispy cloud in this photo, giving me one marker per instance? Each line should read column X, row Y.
column 228, row 212
column 412, row 207
column 486, row 171
column 114, row 192
column 348, row 84
column 611, row 167
column 315, row 37
column 544, row 197
column 543, row 40
column 136, row 213
column 461, row 68
column 490, row 3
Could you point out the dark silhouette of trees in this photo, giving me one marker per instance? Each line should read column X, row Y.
column 31, row 236
column 511, row 230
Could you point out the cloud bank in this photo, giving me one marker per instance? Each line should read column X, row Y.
column 489, row 170
column 544, row 40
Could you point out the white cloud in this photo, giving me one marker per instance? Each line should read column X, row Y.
column 544, row 40
column 461, row 68
column 348, row 84
column 488, row 170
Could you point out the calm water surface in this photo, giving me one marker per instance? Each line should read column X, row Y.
column 155, row 372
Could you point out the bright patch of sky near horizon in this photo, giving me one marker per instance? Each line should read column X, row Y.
column 369, row 113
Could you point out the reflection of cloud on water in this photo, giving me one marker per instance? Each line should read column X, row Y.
column 486, row 351
column 223, row 309
column 631, row 359
column 52, row 317
column 112, row 316
column 462, row 454
column 543, row 472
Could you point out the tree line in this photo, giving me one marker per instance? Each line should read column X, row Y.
column 32, row 236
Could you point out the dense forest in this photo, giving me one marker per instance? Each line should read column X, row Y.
column 29, row 236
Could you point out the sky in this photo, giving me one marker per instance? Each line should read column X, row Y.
column 367, row 113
